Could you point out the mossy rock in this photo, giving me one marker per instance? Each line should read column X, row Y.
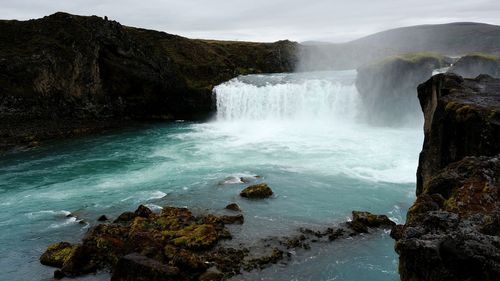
column 57, row 254
column 143, row 211
column 168, row 223
column 196, row 237
column 184, row 259
column 233, row 207
column 180, row 213
column 125, row 217
column 257, row 191
column 361, row 221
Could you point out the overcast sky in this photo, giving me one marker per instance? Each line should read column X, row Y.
column 265, row 20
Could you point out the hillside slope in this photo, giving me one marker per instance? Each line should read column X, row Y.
column 453, row 39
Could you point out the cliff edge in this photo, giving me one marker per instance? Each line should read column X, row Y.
column 452, row 229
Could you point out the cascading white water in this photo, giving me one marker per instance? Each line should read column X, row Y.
column 287, row 97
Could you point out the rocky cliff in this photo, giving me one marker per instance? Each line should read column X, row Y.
column 452, row 229
column 66, row 74
column 387, row 87
column 471, row 66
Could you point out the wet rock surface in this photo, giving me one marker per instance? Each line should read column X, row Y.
column 452, row 229
column 257, row 191
column 233, row 207
column 177, row 245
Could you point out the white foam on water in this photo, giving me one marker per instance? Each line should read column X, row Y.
column 156, row 195
column 154, row 208
column 66, row 222
column 47, row 213
column 309, row 125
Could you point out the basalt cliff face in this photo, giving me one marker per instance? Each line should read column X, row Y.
column 65, row 74
column 452, row 229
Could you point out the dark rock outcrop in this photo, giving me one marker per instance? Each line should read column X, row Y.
column 387, row 87
column 462, row 118
column 473, row 65
column 136, row 267
column 233, row 207
column 102, row 218
column 257, row 191
column 361, row 221
column 452, row 229
column 66, row 75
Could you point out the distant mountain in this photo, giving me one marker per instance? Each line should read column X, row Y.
column 453, row 39
column 450, row 39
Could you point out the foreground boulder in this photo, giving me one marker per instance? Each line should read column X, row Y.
column 257, row 191
column 57, row 254
column 452, row 229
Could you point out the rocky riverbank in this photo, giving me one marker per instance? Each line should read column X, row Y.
column 175, row 244
column 82, row 74
column 452, row 229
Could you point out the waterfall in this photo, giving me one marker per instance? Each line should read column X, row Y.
column 288, row 97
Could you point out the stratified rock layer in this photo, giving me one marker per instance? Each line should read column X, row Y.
column 452, row 229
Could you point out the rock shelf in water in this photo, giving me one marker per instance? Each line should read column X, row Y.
column 176, row 245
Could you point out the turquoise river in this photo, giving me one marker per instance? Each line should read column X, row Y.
column 303, row 134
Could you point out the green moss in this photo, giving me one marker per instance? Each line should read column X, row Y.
column 260, row 190
column 195, row 236
column 167, row 223
column 450, row 202
column 412, row 58
column 458, row 108
column 484, row 56
column 58, row 254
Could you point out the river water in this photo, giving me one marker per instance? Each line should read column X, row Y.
column 300, row 133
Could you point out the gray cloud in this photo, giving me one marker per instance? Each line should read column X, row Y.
column 265, row 20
